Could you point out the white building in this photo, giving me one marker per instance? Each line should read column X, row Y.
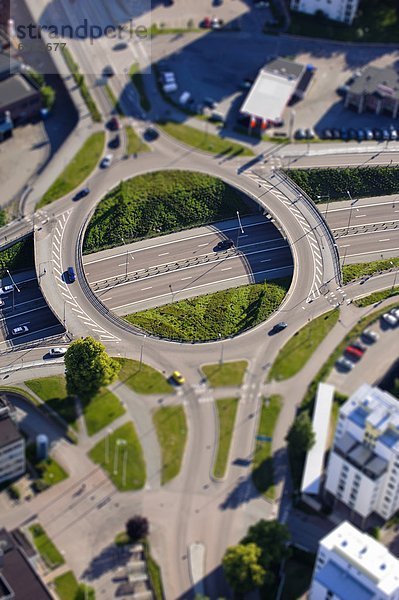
column 337, row 10
column 363, row 467
column 12, row 446
column 351, row 565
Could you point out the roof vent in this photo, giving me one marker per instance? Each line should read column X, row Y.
column 383, row 567
column 344, row 543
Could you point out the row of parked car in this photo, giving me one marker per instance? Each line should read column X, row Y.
column 354, row 352
column 385, row 134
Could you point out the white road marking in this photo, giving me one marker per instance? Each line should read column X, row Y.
column 165, row 253
column 385, row 240
column 226, row 269
column 185, row 278
column 200, row 245
column 146, row 288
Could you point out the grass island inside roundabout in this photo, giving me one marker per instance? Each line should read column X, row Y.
column 166, row 202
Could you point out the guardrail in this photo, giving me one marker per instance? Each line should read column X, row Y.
column 64, row 337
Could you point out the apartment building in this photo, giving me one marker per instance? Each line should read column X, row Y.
column 351, row 565
column 363, row 466
column 12, row 445
column 337, row 10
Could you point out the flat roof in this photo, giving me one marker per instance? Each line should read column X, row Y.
column 342, row 584
column 383, row 82
column 14, row 89
column 321, row 425
column 8, row 432
column 273, row 87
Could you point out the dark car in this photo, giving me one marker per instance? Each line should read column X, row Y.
column 113, row 124
column 327, row 134
column 120, row 46
column 224, row 245
column 385, row 134
column 108, row 71
column 115, row 142
column 344, row 133
column 377, row 134
column 336, row 134
column 352, row 135
column 278, row 327
column 82, row 194
column 359, row 346
column 360, row 135
column 217, row 2
column 71, row 275
column 353, row 353
column 151, row 134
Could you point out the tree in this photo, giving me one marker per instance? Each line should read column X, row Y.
column 301, row 436
column 272, row 538
column 88, row 368
column 242, row 569
column 48, row 96
column 137, row 528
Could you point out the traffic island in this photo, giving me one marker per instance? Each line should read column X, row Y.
column 225, row 374
column 171, row 427
column 226, row 409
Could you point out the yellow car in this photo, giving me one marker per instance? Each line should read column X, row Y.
column 178, row 377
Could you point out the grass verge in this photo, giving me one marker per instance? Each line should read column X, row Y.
column 294, row 355
column 114, row 100
column 81, row 83
column 135, row 144
column 376, row 297
column 78, row 169
column 49, row 471
column 171, row 427
column 358, row 270
column 225, row 374
column 262, row 470
column 226, row 410
column 18, row 257
column 221, row 314
column 52, row 390
column 142, row 379
column 101, row 410
column 202, row 140
column 45, row 547
column 154, row 573
column 68, row 588
column 122, row 461
column 137, row 80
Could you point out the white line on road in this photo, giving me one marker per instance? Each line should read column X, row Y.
column 185, row 278
column 108, row 298
column 358, row 216
column 266, row 260
column 226, row 269
column 165, row 253
column 200, row 245
column 146, row 288
column 385, row 240
column 374, row 252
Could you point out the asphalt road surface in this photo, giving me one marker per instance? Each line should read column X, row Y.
column 188, row 263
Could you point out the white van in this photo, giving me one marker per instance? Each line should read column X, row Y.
column 168, row 88
column 184, row 98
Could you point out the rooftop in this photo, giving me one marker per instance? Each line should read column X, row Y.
column 364, row 553
column 8, row 432
column 14, row 89
column 383, row 82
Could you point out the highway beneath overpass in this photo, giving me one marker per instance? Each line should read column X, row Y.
column 188, row 263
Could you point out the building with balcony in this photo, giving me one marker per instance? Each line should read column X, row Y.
column 375, row 89
column 336, row 10
column 12, row 445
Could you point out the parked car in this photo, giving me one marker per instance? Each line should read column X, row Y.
column 395, row 313
column 6, row 289
column 224, row 244
column 370, row 336
column 278, row 327
column 369, row 133
column 327, row 134
column 120, row 46
column 385, row 135
column 300, row 134
column 343, row 364
column 261, row 4
column 377, row 134
column 353, row 353
column 210, row 103
column 352, row 134
column 59, row 351
column 360, row 135
column 151, row 134
column 20, row 330
column 2, row 302
column 216, row 118
column 106, row 161
column 393, row 134
column 217, row 2
column 114, row 124
column 178, row 377
column 344, row 133
column 389, row 319
column 81, row 194
column 342, row 90
column 108, row 71
column 310, row 134
column 216, row 23
column 336, row 133
column 115, row 142
column 359, row 346
column 71, row 275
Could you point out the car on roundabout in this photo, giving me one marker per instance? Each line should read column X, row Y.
column 81, row 194
column 178, row 378
column 151, row 134
column 278, row 327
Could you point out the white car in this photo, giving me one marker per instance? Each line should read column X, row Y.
column 370, row 336
column 106, row 161
column 2, row 302
column 389, row 319
column 20, row 329
column 343, row 364
column 6, row 289
column 395, row 313
column 58, row 351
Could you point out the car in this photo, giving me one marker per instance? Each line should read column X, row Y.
column 106, row 161
column 216, row 118
column 261, row 4
column 278, row 327
column 120, row 46
column 310, row 134
column 278, row 122
column 2, row 302
column 360, row 135
column 353, row 353
column 359, row 346
column 369, row 336
column 326, row 134
column 169, row 2
column 377, row 134
column 385, row 135
column 178, row 377
column 6, row 289
column 115, row 142
column 342, row 90
column 70, row 274
column 395, row 313
column 300, row 134
column 343, row 364
column 336, row 133
column 369, row 133
column 210, row 103
column 113, row 124
column 151, row 134
column 224, row 244
column 108, row 71
column 58, row 351
column 206, row 23
column 393, row 133
column 216, row 23
column 389, row 319
column 352, row 134
column 20, row 330
column 81, row 194
column 217, row 2
column 344, row 133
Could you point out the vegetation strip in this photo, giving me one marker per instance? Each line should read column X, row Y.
column 121, row 456
column 294, row 355
column 376, row 297
column 358, row 270
column 335, row 182
column 68, row 588
column 262, row 470
column 171, row 427
column 46, row 548
column 49, row 471
column 202, row 140
column 18, row 257
column 142, row 378
column 78, row 169
column 226, row 411
column 154, row 573
column 213, row 316
column 225, row 374
column 81, row 83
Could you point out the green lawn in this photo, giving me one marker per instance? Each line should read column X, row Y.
column 202, row 140
column 134, row 142
column 144, row 379
column 154, row 573
column 376, row 297
column 49, row 471
column 225, row 313
column 17, row 257
column 262, row 473
column 357, row 270
column 68, row 588
column 125, row 468
column 226, row 410
column 171, row 427
column 114, row 100
column 45, row 547
column 137, row 80
column 101, row 410
column 52, row 390
column 226, row 374
column 294, row 355
column 78, row 169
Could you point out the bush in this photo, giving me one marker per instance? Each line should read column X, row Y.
column 137, row 528
column 17, row 257
column 48, row 96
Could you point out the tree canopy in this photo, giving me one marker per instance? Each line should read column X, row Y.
column 137, row 528
column 242, row 569
column 301, row 436
column 88, row 368
column 271, row 537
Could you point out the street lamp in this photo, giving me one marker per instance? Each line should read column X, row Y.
column 328, row 202
column 14, row 285
column 106, row 449
column 396, row 274
column 119, row 442
column 141, row 351
column 350, row 211
column 240, row 228
column 221, row 349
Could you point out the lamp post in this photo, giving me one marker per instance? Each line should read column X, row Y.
column 106, row 449
column 141, row 351
column 328, row 203
column 240, row 228
column 350, row 211
column 119, row 442
column 14, row 285
column 221, row 348
column 396, row 274
column 124, row 463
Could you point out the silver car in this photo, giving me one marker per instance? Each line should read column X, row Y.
column 20, row 330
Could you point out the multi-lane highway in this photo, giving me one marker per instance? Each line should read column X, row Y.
column 173, row 267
